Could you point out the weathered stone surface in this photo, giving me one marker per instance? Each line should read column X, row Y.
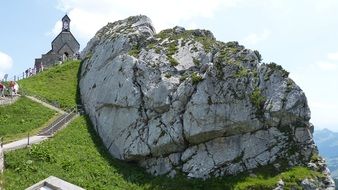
column 181, row 101
column 326, row 182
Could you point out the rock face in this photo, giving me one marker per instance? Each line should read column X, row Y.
column 181, row 101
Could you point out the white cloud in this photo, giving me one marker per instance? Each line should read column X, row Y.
column 255, row 38
column 323, row 113
column 327, row 66
column 318, row 81
column 6, row 63
column 89, row 16
column 333, row 56
column 326, row 6
column 56, row 30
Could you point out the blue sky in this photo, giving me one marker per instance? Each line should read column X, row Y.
column 299, row 35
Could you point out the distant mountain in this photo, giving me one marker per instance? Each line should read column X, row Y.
column 327, row 143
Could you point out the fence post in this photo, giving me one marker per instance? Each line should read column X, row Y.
column 28, row 139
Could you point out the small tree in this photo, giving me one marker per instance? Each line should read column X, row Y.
column 259, row 56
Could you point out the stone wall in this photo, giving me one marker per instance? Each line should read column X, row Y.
column 50, row 58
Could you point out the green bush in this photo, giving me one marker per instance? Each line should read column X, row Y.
column 206, row 41
column 257, row 99
column 196, row 62
column 242, row 72
column 135, row 51
column 275, row 67
column 196, row 78
column 167, row 75
column 172, row 49
column 232, row 44
column 259, row 56
column 173, row 62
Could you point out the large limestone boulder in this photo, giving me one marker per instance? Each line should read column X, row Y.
column 181, row 101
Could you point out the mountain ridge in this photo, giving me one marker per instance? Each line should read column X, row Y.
column 327, row 143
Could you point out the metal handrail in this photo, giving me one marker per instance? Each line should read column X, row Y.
column 74, row 110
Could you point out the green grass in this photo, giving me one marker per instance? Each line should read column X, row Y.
column 173, row 62
column 242, row 72
column 196, row 78
column 21, row 117
column 77, row 155
column 292, row 179
column 257, row 99
column 206, row 41
column 135, row 51
column 57, row 85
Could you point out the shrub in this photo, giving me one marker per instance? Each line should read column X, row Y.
column 275, row 67
column 232, row 44
column 172, row 49
column 257, row 99
column 173, row 62
column 196, row 62
column 242, row 72
column 259, row 56
column 196, row 78
column 135, row 51
column 207, row 42
column 167, row 75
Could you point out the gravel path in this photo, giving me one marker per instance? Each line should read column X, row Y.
column 46, row 105
column 8, row 100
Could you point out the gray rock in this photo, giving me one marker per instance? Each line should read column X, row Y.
column 280, row 185
column 182, row 101
column 309, row 184
column 179, row 29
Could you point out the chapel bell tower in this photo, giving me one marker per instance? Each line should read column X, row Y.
column 65, row 23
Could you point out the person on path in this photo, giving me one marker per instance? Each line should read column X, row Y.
column 2, row 90
column 29, row 72
column 11, row 88
column 41, row 67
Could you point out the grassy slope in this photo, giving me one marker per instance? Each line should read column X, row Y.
column 57, row 84
column 77, row 155
column 21, row 117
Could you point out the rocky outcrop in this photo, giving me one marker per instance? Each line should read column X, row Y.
column 318, row 164
column 180, row 101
